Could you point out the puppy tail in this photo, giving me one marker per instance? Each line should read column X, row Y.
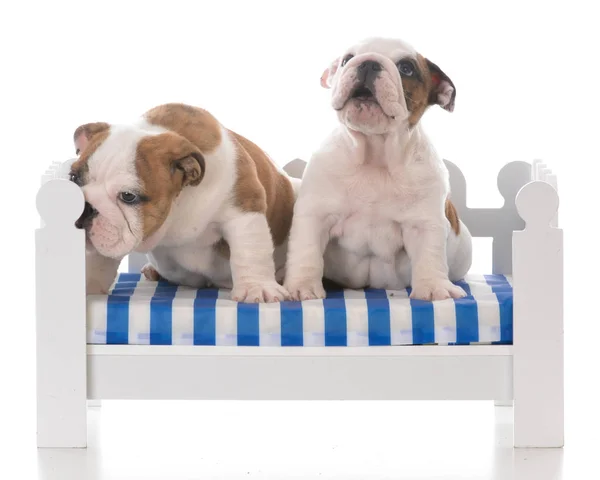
column 452, row 216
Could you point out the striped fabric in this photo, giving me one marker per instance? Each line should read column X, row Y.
column 140, row 312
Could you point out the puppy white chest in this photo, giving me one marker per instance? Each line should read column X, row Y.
column 368, row 231
column 365, row 244
column 373, row 206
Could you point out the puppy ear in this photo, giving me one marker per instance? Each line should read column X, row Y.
column 174, row 156
column 84, row 133
column 443, row 91
column 192, row 168
column 329, row 73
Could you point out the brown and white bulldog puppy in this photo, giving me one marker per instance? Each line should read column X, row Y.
column 207, row 205
column 373, row 209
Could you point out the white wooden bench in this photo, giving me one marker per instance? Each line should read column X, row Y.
column 527, row 244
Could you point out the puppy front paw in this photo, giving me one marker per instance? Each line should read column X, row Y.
column 306, row 290
column 436, row 289
column 96, row 287
column 259, row 292
column 151, row 273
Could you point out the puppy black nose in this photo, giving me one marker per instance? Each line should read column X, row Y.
column 370, row 65
column 367, row 72
column 87, row 216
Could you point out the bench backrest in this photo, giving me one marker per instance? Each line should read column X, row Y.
column 495, row 223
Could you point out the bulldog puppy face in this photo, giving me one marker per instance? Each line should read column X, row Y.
column 130, row 176
column 381, row 84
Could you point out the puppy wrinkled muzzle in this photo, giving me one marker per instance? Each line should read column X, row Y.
column 362, row 92
column 370, row 86
column 87, row 217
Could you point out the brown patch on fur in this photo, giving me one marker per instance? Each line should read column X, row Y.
column 260, row 187
column 421, row 90
column 438, row 78
column 195, row 124
column 165, row 164
column 417, row 91
column 89, row 130
column 80, row 166
column 452, row 216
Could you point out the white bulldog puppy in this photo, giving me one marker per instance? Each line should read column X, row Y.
column 208, row 206
column 373, row 209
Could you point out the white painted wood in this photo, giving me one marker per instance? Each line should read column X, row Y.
column 256, row 377
column 497, row 223
column 55, row 170
column 94, row 403
column 136, row 261
column 62, row 169
column 538, row 320
column 399, row 351
column 60, row 317
column 503, row 403
column 295, row 168
column 534, row 366
column 540, row 171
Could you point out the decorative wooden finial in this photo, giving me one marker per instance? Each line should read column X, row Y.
column 295, row 168
column 511, row 179
column 537, row 204
column 60, row 202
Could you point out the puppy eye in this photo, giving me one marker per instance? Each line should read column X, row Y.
column 406, row 68
column 346, row 59
column 129, row 198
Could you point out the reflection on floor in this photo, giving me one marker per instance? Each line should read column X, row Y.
column 359, row 440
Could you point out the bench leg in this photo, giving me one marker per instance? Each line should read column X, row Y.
column 538, row 364
column 60, row 323
column 61, row 390
column 538, row 405
column 61, row 399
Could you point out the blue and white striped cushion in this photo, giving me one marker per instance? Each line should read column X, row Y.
column 140, row 312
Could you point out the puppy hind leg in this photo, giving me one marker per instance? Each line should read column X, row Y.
column 460, row 253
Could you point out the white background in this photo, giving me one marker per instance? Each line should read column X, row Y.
column 527, row 77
